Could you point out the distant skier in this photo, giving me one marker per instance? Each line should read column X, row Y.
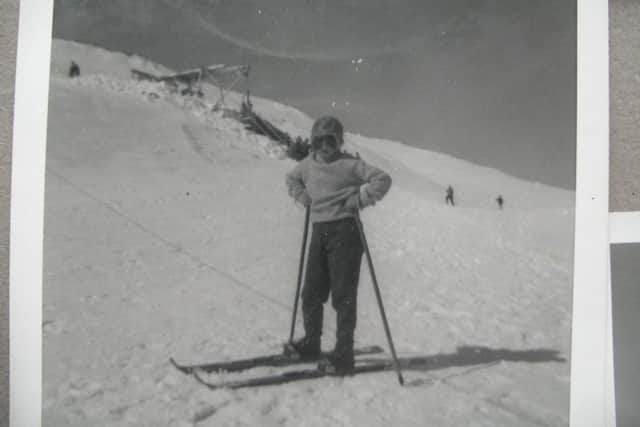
column 335, row 185
column 449, row 198
column 500, row 201
column 74, row 70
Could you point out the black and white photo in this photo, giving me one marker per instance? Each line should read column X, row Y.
column 171, row 237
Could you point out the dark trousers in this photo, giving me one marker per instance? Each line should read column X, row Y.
column 333, row 267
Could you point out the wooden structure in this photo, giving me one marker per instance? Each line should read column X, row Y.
column 224, row 77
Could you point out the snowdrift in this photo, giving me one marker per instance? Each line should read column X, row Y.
column 168, row 232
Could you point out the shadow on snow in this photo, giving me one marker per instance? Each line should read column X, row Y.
column 475, row 357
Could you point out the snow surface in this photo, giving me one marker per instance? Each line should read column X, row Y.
column 168, row 232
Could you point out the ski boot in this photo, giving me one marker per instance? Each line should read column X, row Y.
column 303, row 349
column 337, row 363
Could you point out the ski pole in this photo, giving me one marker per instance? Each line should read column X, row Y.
column 300, row 269
column 396, row 364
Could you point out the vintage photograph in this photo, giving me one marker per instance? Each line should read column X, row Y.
column 625, row 301
column 309, row 213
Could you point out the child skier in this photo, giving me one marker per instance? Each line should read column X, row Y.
column 335, row 185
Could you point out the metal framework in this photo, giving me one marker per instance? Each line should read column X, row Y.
column 214, row 74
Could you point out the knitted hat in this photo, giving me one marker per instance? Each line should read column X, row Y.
column 327, row 126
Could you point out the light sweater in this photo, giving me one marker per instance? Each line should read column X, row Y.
column 337, row 189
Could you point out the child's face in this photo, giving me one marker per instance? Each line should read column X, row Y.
column 325, row 147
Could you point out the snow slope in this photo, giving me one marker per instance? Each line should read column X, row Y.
column 168, row 232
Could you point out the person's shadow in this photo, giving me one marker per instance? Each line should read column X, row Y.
column 472, row 356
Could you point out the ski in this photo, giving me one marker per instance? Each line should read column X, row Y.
column 271, row 360
column 291, row 376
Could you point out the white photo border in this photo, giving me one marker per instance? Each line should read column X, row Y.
column 27, row 212
column 624, row 227
column 610, row 386
column 589, row 403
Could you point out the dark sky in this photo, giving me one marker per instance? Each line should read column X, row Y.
column 490, row 81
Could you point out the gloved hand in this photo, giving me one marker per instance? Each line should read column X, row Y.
column 353, row 203
column 304, row 199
